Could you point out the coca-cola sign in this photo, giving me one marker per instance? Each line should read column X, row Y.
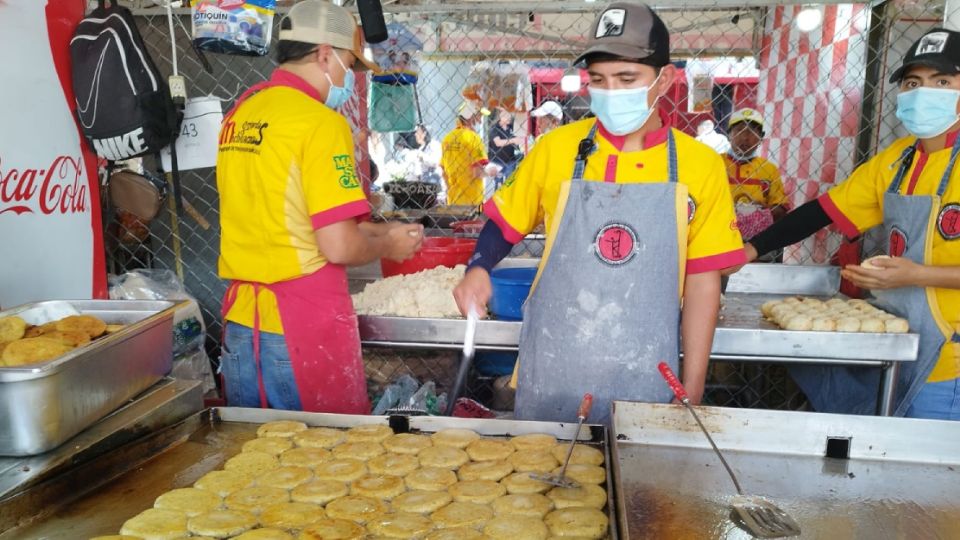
column 57, row 188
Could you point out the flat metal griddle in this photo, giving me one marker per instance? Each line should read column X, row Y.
column 901, row 479
column 178, row 456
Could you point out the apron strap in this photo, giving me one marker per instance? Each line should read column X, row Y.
column 587, row 147
column 672, row 175
column 906, row 158
column 946, row 174
column 229, row 297
column 262, row 85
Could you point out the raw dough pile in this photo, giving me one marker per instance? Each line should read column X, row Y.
column 425, row 294
column 834, row 315
column 260, row 497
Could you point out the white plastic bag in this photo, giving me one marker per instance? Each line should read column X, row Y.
column 190, row 360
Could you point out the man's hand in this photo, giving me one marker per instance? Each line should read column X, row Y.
column 404, row 240
column 894, row 273
column 473, row 290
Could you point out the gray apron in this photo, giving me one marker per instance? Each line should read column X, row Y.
column 909, row 221
column 605, row 308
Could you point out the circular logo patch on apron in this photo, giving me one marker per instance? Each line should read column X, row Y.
column 948, row 221
column 897, row 243
column 615, row 244
column 691, row 208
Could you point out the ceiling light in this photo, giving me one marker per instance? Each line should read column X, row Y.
column 809, row 18
column 570, row 82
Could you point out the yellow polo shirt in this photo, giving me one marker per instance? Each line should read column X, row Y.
column 284, row 169
column 530, row 196
column 756, row 181
column 857, row 205
column 463, row 149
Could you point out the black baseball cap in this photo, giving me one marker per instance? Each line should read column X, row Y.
column 939, row 49
column 631, row 31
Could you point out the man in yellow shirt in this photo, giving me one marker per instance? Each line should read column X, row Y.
column 464, row 157
column 638, row 217
column 754, row 180
column 912, row 189
column 290, row 206
column 755, row 184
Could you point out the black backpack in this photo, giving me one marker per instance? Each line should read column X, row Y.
column 123, row 103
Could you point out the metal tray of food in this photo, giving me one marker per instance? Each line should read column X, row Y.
column 177, row 456
column 44, row 404
column 742, row 333
column 839, row 476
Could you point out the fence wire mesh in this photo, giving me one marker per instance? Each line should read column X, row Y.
column 823, row 93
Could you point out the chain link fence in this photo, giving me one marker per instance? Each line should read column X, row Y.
column 823, row 91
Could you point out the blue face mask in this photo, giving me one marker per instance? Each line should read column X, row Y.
column 928, row 112
column 621, row 111
column 338, row 95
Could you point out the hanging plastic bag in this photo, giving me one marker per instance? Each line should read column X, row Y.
column 500, row 85
column 233, row 26
column 398, row 56
column 392, row 107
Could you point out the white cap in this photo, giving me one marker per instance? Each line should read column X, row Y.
column 746, row 115
column 551, row 108
column 468, row 108
column 322, row 23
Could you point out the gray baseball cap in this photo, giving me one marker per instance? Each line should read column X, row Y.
column 631, row 31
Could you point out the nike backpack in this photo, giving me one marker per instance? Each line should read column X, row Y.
column 123, row 103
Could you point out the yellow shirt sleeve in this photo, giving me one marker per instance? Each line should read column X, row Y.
column 713, row 240
column 516, row 206
column 478, row 151
column 775, row 195
column 855, row 205
column 330, row 184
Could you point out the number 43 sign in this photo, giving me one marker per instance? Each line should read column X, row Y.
column 197, row 142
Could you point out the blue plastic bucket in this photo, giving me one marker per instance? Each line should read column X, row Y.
column 495, row 363
column 510, row 288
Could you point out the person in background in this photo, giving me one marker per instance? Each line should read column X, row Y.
column 548, row 116
column 638, row 218
column 292, row 218
column 755, row 184
column 912, row 189
column 427, row 154
column 707, row 134
column 504, row 147
column 464, row 157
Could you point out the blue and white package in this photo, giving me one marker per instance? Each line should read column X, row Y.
column 233, row 26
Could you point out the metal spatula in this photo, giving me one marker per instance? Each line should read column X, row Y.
column 755, row 514
column 469, row 337
column 561, row 479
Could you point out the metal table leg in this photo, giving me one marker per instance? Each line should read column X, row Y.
column 888, row 387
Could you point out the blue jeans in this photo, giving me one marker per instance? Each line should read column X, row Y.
column 505, row 172
column 239, row 369
column 938, row 401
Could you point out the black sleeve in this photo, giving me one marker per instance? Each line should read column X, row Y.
column 491, row 248
column 793, row 228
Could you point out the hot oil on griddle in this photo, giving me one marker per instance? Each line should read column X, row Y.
column 684, row 494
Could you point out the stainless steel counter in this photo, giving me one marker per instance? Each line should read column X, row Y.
column 742, row 334
column 33, row 484
column 898, row 480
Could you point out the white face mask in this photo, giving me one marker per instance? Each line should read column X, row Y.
column 743, row 157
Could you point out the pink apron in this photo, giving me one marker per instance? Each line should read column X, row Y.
column 319, row 324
